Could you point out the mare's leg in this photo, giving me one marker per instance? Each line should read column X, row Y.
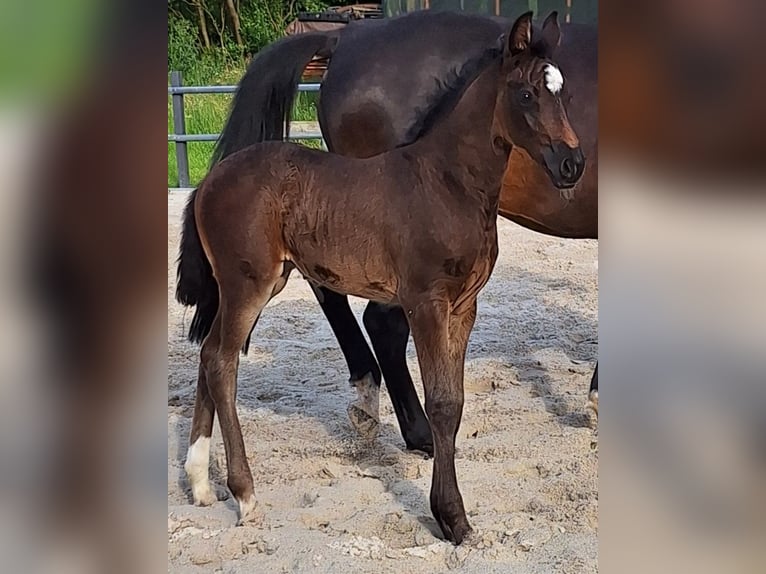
column 365, row 373
column 198, row 456
column 441, row 339
column 389, row 333
column 242, row 300
column 593, row 394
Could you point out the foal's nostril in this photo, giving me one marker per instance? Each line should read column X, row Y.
column 563, row 163
column 567, row 168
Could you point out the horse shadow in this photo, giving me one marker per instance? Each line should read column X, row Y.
column 295, row 322
column 566, row 331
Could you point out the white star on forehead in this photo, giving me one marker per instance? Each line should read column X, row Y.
column 554, row 81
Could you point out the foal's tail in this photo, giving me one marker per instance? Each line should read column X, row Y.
column 196, row 285
column 264, row 100
column 260, row 109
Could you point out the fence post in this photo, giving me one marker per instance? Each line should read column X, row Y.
column 179, row 129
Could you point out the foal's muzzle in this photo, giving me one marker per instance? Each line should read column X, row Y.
column 565, row 165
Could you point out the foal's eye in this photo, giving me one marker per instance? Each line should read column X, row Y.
column 525, row 96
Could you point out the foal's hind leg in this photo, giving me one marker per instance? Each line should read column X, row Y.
column 389, row 333
column 198, row 456
column 242, row 300
column 197, row 463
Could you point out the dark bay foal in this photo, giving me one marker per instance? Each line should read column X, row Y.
column 370, row 105
column 414, row 227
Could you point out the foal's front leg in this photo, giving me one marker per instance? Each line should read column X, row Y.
column 441, row 339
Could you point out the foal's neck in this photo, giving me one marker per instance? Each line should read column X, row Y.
column 461, row 144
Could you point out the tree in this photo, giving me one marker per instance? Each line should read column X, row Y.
column 234, row 14
column 202, row 22
column 221, row 32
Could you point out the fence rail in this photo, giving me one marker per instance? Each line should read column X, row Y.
column 180, row 138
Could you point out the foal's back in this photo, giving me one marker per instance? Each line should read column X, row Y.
column 330, row 216
column 357, row 226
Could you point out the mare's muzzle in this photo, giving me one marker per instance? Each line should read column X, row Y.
column 565, row 165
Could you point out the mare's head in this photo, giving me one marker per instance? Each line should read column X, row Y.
column 529, row 110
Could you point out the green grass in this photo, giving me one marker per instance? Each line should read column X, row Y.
column 206, row 114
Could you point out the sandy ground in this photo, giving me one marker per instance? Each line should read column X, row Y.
column 332, row 502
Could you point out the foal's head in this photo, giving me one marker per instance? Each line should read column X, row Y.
column 529, row 110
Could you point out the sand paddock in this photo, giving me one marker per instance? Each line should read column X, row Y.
column 333, row 502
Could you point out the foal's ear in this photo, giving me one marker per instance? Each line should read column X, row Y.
column 551, row 31
column 521, row 35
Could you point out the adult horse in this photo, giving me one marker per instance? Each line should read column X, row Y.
column 276, row 206
column 383, row 77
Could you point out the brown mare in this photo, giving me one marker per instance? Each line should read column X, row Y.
column 414, row 228
column 383, row 78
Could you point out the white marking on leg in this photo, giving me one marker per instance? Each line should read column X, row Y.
column 364, row 412
column 554, row 80
column 197, row 470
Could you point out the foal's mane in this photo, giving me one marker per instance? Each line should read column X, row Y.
column 448, row 93
column 450, row 89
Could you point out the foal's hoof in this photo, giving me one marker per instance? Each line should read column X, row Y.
column 204, row 494
column 205, row 499
column 454, row 524
column 362, row 420
column 248, row 511
column 456, row 533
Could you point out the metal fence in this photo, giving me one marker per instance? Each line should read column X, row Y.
column 180, row 138
column 580, row 11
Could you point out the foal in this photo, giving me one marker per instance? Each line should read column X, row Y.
column 414, row 227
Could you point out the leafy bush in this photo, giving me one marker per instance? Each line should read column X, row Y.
column 224, row 62
column 261, row 22
column 183, row 44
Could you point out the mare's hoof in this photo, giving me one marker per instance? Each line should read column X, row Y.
column 417, row 436
column 423, row 445
column 592, row 404
column 364, row 412
column 363, row 421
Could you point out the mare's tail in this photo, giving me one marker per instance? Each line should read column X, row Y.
column 259, row 111
column 262, row 104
